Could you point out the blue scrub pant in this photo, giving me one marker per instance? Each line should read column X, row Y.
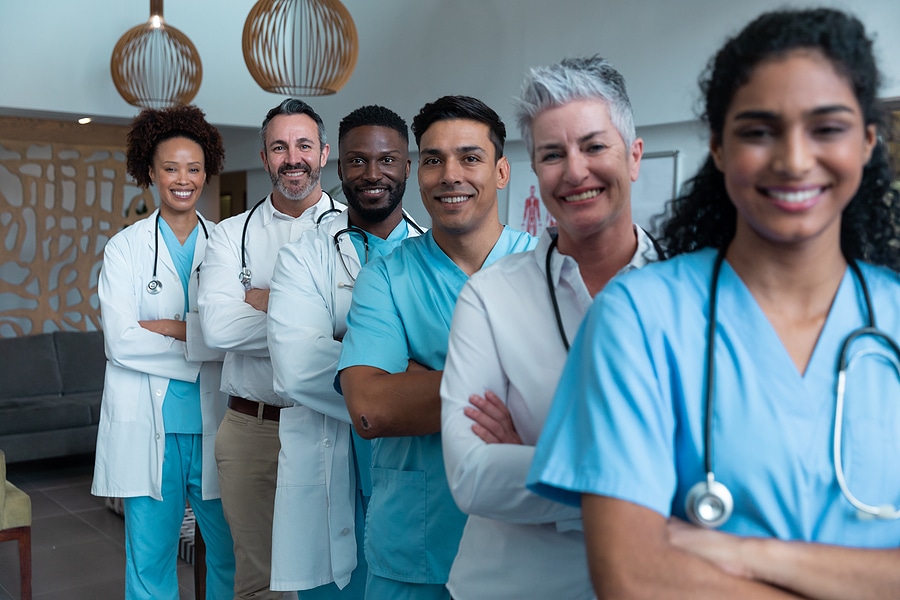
column 153, row 527
column 356, row 589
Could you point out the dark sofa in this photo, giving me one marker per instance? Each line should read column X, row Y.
column 50, row 390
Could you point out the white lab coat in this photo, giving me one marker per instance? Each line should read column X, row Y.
column 140, row 363
column 313, row 541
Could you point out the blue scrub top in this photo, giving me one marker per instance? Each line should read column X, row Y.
column 627, row 420
column 401, row 310
column 181, row 406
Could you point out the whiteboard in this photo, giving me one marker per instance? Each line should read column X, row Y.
column 657, row 184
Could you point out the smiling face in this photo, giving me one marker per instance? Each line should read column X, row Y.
column 294, row 160
column 792, row 152
column 584, row 169
column 373, row 168
column 179, row 174
column 459, row 175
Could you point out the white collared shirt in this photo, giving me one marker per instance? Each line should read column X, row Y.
column 505, row 338
column 228, row 322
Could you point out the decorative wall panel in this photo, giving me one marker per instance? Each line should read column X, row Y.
column 60, row 202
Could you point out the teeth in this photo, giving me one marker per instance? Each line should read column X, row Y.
column 794, row 197
column 376, row 191
column 181, row 194
column 582, row 196
column 454, row 199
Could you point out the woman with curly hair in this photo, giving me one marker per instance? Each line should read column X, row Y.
column 161, row 401
column 742, row 384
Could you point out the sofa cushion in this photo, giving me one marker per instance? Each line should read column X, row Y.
column 28, row 366
column 82, row 360
column 42, row 413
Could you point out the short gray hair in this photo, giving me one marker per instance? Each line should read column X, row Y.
column 587, row 78
column 293, row 106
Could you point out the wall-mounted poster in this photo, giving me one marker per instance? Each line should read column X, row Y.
column 655, row 186
column 525, row 210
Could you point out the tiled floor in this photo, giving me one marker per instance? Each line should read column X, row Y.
column 78, row 545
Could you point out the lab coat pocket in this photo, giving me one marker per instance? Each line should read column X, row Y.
column 301, row 460
column 123, row 392
column 395, row 525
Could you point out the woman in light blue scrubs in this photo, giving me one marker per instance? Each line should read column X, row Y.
column 161, row 400
column 706, row 387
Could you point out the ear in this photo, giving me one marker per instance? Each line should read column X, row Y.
column 323, row 158
column 150, row 173
column 262, row 155
column 340, row 173
column 408, row 165
column 870, row 140
column 635, row 153
column 715, row 151
column 502, row 173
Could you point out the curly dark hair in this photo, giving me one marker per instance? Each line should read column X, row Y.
column 461, row 107
column 373, row 115
column 151, row 127
column 703, row 215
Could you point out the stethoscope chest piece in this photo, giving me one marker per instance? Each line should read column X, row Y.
column 154, row 286
column 709, row 504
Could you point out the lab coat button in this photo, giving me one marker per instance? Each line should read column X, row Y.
column 177, row 317
column 157, row 436
column 345, row 531
column 326, row 442
column 159, row 392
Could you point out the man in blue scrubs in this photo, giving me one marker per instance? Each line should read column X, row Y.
column 396, row 344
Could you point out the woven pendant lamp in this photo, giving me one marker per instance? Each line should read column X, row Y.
column 155, row 65
column 300, row 47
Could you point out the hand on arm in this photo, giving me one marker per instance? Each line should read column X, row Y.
column 816, row 571
column 493, row 422
column 383, row 404
column 258, row 299
column 168, row 327
column 631, row 555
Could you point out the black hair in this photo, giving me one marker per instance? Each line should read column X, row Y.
column 151, row 127
column 461, row 107
column 373, row 116
column 703, row 215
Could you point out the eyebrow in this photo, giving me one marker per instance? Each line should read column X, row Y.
column 586, row 137
column 765, row 115
column 459, row 150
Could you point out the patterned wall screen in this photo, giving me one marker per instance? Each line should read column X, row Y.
column 60, row 202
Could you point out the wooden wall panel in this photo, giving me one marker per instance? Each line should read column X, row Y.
column 63, row 193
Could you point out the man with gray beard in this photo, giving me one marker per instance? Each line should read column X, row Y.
column 233, row 301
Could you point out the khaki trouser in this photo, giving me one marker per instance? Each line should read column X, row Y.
column 247, row 458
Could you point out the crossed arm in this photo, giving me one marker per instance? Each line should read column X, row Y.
column 383, row 404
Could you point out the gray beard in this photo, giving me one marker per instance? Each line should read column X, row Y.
column 296, row 194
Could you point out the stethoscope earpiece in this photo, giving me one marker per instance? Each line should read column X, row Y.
column 708, row 504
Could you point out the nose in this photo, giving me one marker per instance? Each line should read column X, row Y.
column 372, row 171
column 451, row 173
column 576, row 168
column 794, row 154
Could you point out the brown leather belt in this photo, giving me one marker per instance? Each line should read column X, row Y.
column 254, row 408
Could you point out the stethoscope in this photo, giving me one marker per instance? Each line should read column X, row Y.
column 353, row 229
column 550, row 287
column 709, row 503
column 244, row 275
column 155, row 285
